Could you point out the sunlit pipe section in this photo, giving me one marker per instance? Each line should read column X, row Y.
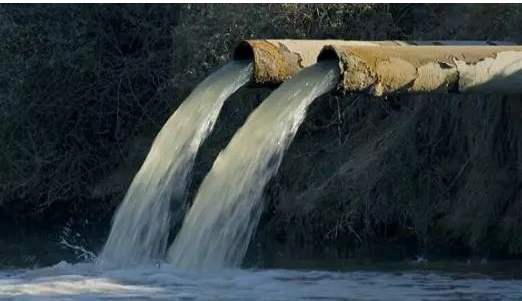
column 277, row 60
column 428, row 69
column 453, row 43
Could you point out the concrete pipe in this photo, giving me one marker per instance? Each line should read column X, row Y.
column 428, row 69
column 454, row 43
column 277, row 60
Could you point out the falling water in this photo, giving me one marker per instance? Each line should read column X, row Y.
column 140, row 227
column 218, row 227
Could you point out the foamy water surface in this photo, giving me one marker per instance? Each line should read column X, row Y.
column 87, row 282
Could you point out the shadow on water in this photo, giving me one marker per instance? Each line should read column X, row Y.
column 385, row 258
column 23, row 246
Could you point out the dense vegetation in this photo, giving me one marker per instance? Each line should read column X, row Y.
column 84, row 89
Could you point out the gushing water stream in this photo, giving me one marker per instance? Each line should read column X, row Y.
column 218, row 227
column 140, row 227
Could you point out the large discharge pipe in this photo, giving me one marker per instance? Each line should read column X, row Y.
column 428, row 69
column 277, row 60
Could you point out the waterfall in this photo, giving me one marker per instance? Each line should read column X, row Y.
column 156, row 197
column 218, row 227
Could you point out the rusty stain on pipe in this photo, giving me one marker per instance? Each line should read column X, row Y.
column 434, row 69
column 277, row 60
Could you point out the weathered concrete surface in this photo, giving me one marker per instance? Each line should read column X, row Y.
column 277, row 60
column 454, row 43
column 420, row 69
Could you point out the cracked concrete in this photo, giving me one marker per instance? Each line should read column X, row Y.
column 434, row 69
column 277, row 60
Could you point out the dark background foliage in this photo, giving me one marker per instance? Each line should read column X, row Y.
column 85, row 88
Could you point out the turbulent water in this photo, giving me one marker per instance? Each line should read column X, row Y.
column 140, row 227
column 218, row 227
column 87, row 282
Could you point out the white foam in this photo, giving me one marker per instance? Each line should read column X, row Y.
column 88, row 282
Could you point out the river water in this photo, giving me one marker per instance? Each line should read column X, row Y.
column 85, row 281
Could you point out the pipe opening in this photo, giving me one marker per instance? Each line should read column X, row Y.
column 243, row 51
column 328, row 54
